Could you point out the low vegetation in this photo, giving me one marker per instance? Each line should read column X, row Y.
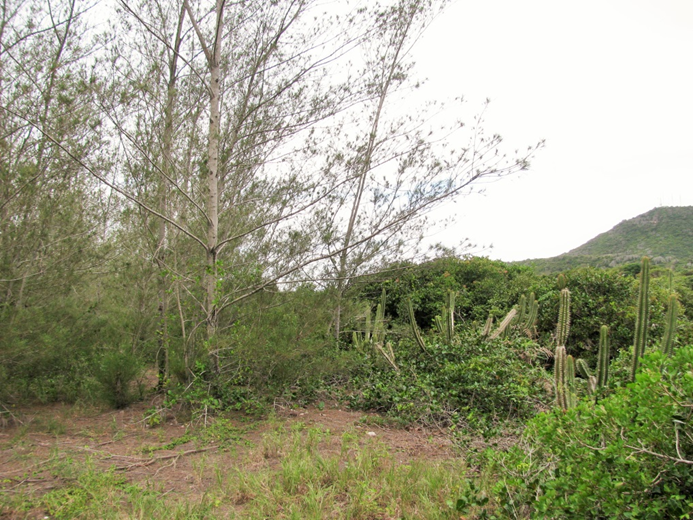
column 544, row 416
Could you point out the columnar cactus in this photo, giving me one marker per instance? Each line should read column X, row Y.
column 563, row 327
column 571, row 396
column 445, row 325
column 374, row 332
column 559, row 377
column 414, row 326
column 503, row 325
column 528, row 309
column 532, row 312
column 643, row 316
column 584, row 371
column 603, row 357
column 670, row 326
column 487, row 326
column 449, row 310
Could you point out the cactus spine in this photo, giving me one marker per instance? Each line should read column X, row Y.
column 643, row 317
column 670, row 326
column 604, row 355
column 414, row 326
column 563, row 327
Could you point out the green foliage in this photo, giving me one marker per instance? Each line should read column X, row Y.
column 50, row 354
column 473, row 382
column 630, row 456
column 283, row 346
column 482, row 287
column 597, row 297
column 116, row 375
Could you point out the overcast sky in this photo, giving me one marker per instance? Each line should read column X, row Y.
column 607, row 83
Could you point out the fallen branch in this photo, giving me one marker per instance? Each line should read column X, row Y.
column 153, row 460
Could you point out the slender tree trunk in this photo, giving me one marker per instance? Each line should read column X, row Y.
column 387, row 79
column 211, row 272
column 163, row 196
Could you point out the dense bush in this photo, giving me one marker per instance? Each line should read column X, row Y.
column 116, row 375
column 50, row 353
column 629, row 456
column 484, row 286
column 598, row 297
column 472, row 382
column 284, row 345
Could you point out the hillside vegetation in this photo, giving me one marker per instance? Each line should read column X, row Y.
column 664, row 234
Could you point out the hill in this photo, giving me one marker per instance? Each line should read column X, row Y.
column 664, row 234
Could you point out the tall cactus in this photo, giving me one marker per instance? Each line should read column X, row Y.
column 670, row 325
column 503, row 325
column 379, row 323
column 446, row 324
column 487, row 326
column 603, row 357
column 559, row 374
column 414, row 326
column 564, row 378
column 449, row 311
column 528, row 309
column 571, row 396
column 374, row 332
column 584, row 371
column 643, row 317
column 563, row 327
column 532, row 312
column 360, row 340
column 521, row 309
column 561, row 281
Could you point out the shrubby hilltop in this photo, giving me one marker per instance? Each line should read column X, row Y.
column 664, row 234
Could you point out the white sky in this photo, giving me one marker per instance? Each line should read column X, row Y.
column 607, row 83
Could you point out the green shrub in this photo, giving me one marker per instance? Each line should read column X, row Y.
column 473, row 382
column 598, row 297
column 116, row 375
column 483, row 286
column 630, row 456
column 49, row 352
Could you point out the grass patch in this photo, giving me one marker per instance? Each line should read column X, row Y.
column 297, row 471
